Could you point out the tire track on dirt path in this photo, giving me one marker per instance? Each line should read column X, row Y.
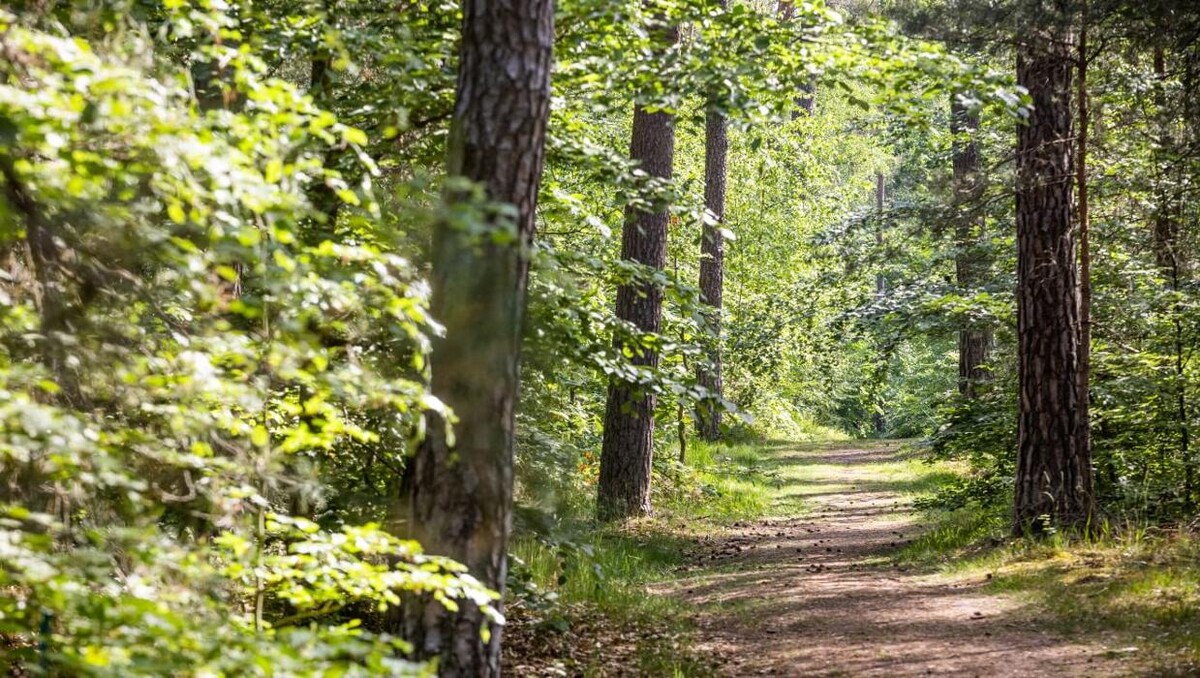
column 813, row 595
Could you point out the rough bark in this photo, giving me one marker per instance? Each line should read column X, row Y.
column 974, row 342
column 1083, row 379
column 460, row 487
column 1054, row 472
column 712, row 268
column 627, row 450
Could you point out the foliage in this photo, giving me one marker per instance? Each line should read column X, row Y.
column 213, row 330
column 177, row 365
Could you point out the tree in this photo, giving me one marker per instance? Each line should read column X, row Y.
column 1054, row 474
column 974, row 343
column 461, row 483
column 628, row 447
column 712, row 265
column 1083, row 377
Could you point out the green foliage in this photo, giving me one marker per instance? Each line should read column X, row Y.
column 213, row 325
column 177, row 364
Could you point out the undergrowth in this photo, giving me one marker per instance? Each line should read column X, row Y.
column 578, row 578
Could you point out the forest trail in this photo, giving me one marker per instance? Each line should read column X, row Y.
column 815, row 594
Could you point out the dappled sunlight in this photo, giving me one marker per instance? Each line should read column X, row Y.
column 818, row 593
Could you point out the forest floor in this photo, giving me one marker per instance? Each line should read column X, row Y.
column 817, row 590
column 813, row 559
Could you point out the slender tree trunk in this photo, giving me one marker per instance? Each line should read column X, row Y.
column 880, row 199
column 974, row 343
column 627, row 451
column 712, row 268
column 879, row 421
column 460, row 488
column 1054, row 470
column 1085, row 249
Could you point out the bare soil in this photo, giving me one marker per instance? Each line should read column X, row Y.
column 816, row 595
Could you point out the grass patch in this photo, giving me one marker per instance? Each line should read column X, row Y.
column 964, row 538
column 1137, row 587
column 586, row 584
column 717, row 483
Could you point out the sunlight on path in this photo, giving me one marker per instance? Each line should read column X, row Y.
column 812, row 593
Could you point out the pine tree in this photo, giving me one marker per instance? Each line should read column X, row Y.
column 461, row 485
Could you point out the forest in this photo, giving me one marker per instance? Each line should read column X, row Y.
column 599, row 338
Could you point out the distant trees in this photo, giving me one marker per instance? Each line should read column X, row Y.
column 712, row 264
column 461, row 484
column 628, row 447
column 1054, row 472
column 970, row 265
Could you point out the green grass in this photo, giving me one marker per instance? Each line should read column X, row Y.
column 796, row 476
column 607, row 568
column 608, row 575
column 718, row 483
column 1134, row 586
column 1131, row 586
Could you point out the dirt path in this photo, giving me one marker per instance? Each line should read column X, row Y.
column 815, row 596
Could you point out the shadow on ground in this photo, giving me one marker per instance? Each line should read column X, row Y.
column 814, row 594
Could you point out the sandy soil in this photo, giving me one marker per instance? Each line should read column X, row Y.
column 814, row 596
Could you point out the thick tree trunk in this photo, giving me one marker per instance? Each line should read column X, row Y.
column 974, row 343
column 460, row 487
column 627, row 451
column 712, row 267
column 1054, row 472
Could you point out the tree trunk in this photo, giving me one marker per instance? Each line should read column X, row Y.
column 1054, row 472
column 974, row 343
column 712, row 268
column 627, row 450
column 1084, row 440
column 460, row 487
column 879, row 422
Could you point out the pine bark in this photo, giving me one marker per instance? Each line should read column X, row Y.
column 974, row 342
column 626, row 454
column 712, row 268
column 460, row 486
column 1083, row 379
column 1054, row 471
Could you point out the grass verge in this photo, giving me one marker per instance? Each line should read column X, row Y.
column 579, row 604
column 1135, row 588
